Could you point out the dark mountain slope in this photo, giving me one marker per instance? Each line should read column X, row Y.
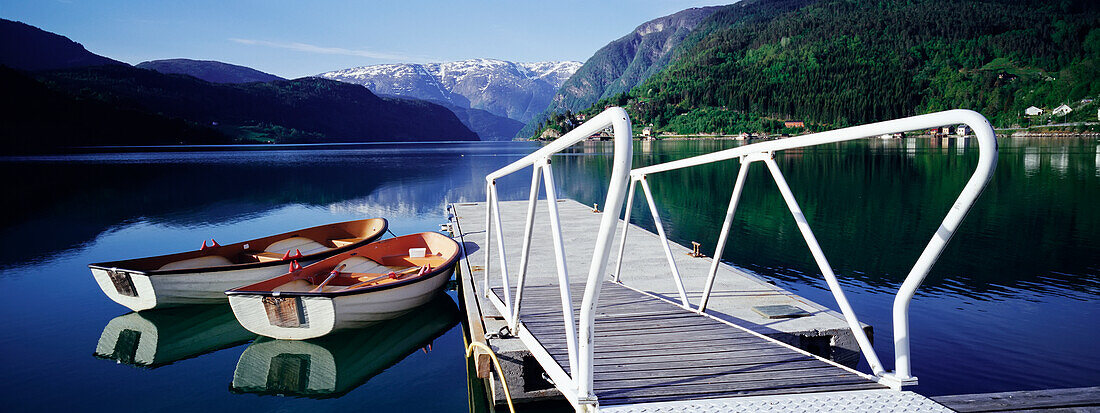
column 34, row 118
column 209, row 70
column 339, row 112
column 26, row 47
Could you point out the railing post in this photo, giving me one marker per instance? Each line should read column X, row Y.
column 987, row 163
column 559, row 261
column 527, row 229
column 616, row 191
column 488, row 234
column 626, row 224
column 664, row 242
column 826, row 270
column 720, row 248
column 503, row 255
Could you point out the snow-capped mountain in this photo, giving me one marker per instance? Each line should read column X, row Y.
column 514, row 90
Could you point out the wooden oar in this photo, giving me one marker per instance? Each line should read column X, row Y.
column 391, row 274
column 330, row 277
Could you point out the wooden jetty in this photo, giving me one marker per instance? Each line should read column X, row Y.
column 649, row 349
column 1081, row 399
column 625, row 335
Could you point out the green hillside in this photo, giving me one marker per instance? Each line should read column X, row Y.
column 836, row 63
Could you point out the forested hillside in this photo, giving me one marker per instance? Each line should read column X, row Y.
column 835, row 63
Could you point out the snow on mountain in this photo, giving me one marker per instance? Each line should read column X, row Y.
column 514, row 90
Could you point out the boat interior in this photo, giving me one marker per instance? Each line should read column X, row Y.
column 286, row 246
column 373, row 265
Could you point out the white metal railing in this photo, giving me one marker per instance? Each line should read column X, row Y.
column 576, row 384
column 763, row 152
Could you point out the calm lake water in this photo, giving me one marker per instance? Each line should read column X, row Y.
column 1010, row 306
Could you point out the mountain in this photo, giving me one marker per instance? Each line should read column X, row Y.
column 489, row 127
column 623, row 63
column 57, row 95
column 35, row 118
column 833, row 63
column 26, row 47
column 629, row 60
column 210, row 71
column 513, row 90
column 319, row 110
column 837, row 63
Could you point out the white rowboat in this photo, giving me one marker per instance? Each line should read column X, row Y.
column 202, row 276
column 370, row 284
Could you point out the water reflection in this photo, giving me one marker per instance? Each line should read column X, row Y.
column 1059, row 160
column 161, row 337
column 1026, row 252
column 1031, row 160
column 73, row 199
column 333, row 365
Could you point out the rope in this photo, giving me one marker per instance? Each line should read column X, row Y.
column 504, row 384
column 391, row 233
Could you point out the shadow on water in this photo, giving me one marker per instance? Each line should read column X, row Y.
column 333, row 365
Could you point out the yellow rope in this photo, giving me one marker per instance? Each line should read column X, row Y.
column 504, row 384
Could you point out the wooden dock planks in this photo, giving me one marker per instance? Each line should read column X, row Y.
column 1082, row 399
column 650, row 350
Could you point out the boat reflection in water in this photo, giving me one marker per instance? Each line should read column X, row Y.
column 160, row 337
column 335, row 364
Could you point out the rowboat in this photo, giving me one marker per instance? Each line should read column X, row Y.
column 153, row 339
column 369, row 284
column 333, row 365
column 202, row 276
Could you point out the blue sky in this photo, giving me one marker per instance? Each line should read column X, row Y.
column 293, row 39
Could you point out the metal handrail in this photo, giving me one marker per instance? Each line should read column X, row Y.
column 763, row 151
column 578, row 341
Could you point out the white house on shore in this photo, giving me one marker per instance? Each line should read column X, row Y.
column 1062, row 110
column 1033, row 111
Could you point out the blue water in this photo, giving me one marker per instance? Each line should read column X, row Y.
column 1011, row 306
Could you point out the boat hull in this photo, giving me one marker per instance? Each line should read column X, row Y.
column 146, row 292
column 202, row 276
column 322, row 315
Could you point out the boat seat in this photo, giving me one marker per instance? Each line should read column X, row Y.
column 303, row 244
column 407, row 261
column 303, row 286
column 343, row 242
column 364, row 265
column 199, row 262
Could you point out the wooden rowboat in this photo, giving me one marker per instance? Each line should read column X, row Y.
column 202, row 276
column 372, row 283
column 333, row 365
